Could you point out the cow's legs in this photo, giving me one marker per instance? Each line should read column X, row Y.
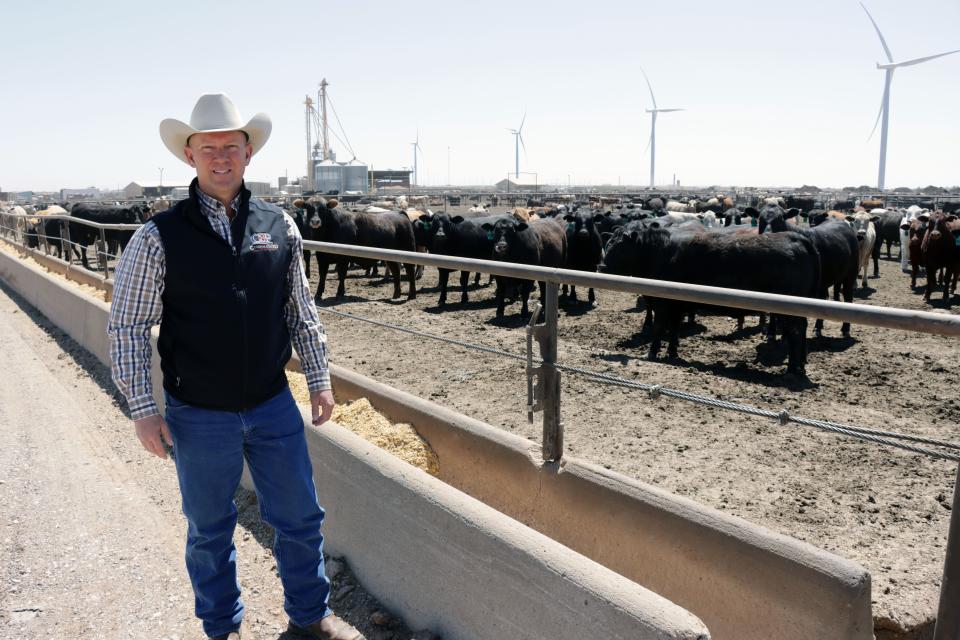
column 500, row 287
column 342, row 278
column 931, row 282
column 525, row 288
column 322, row 266
column 306, row 263
column 591, row 297
column 648, row 316
column 393, row 269
column 464, row 282
column 444, row 277
column 411, row 270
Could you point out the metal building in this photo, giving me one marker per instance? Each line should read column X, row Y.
column 330, row 175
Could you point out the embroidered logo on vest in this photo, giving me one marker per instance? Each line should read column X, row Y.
column 262, row 242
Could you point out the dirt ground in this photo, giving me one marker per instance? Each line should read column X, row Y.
column 884, row 508
column 91, row 533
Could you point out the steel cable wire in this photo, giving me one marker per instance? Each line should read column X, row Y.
column 886, row 438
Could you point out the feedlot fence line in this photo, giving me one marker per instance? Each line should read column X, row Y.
column 888, row 317
column 888, row 438
column 948, row 616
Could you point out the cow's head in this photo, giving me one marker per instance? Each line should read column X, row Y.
column 774, row 218
column 862, row 223
column 584, row 225
column 504, row 234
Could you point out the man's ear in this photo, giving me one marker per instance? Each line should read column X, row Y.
column 249, row 152
column 188, row 152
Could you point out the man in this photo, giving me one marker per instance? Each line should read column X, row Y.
column 222, row 274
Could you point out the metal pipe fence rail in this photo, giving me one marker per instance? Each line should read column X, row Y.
column 548, row 371
column 67, row 246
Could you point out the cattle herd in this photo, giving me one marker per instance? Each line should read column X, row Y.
column 781, row 245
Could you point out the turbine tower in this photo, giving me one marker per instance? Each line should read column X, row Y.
column 890, row 66
column 416, row 147
column 517, row 142
column 652, row 144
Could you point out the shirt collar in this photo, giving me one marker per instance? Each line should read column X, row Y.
column 210, row 206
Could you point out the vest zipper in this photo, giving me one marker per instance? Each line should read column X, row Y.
column 241, row 293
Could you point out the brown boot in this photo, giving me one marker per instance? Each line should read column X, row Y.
column 329, row 628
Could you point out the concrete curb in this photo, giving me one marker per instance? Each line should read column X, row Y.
column 443, row 559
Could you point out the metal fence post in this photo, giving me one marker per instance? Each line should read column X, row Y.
column 948, row 615
column 550, row 375
column 65, row 242
column 103, row 256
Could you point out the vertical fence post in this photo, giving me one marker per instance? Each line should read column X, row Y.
column 948, row 615
column 103, row 255
column 65, row 242
column 552, row 429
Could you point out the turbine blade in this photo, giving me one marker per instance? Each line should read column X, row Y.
column 669, row 110
column 649, row 87
column 522, row 145
column 909, row 63
column 523, row 120
column 649, row 141
column 886, row 49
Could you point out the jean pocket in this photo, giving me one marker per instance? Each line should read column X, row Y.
column 172, row 401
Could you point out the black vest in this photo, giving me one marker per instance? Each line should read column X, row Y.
column 223, row 336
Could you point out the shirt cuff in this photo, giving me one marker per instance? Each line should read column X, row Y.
column 142, row 407
column 318, row 380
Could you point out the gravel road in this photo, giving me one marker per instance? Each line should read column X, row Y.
column 91, row 534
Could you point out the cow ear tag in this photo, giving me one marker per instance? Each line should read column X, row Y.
column 570, row 226
column 957, row 241
column 490, row 235
column 753, row 222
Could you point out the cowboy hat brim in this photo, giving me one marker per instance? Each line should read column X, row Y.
column 175, row 133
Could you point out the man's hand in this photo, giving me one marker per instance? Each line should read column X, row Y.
column 153, row 432
column 321, row 406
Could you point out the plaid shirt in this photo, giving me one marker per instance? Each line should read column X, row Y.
column 138, row 306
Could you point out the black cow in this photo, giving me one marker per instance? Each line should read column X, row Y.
column 844, row 205
column 301, row 217
column 389, row 230
column 888, row 230
column 836, row 244
column 82, row 235
column 799, row 202
column 783, row 263
column 460, row 237
column 541, row 242
column 584, row 247
column 733, row 216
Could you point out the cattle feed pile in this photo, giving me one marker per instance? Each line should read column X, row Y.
column 359, row 416
column 89, row 290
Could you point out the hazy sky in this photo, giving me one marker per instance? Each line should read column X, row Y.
column 778, row 93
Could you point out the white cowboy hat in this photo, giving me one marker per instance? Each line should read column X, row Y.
column 214, row 112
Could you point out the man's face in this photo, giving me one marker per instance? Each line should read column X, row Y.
column 220, row 160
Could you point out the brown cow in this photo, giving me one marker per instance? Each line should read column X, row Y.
column 940, row 251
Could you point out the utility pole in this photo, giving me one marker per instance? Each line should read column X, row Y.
column 308, row 112
column 323, row 119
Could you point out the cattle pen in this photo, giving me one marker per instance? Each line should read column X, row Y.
column 548, row 370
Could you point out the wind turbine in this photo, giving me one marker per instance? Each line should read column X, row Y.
column 416, row 147
column 517, row 142
column 890, row 66
column 652, row 144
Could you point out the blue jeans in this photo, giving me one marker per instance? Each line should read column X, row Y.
column 209, row 450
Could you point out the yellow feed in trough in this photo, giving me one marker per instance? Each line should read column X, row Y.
column 359, row 416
